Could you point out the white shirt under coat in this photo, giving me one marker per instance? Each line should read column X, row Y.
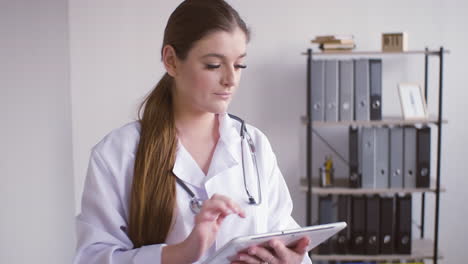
column 102, row 223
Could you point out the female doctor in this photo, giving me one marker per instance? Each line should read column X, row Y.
column 183, row 180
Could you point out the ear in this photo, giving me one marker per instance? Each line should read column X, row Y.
column 170, row 60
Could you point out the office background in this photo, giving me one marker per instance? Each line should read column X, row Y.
column 71, row 71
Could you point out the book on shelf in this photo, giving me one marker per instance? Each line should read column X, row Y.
column 336, row 50
column 333, row 41
column 329, row 46
column 326, row 38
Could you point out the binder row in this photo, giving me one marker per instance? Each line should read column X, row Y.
column 376, row 225
column 346, row 90
column 383, row 157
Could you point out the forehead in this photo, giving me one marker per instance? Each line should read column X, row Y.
column 229, row 44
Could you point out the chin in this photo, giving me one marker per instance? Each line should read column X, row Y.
column 218, row 109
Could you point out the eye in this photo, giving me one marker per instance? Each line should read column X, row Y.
column 212, row 66
column 241, row 66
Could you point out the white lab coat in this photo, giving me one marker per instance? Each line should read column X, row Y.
column 102, row 224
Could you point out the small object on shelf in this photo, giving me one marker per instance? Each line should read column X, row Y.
column 335, row 43
column 413, row 104
column 395, row 42
column 327, row 172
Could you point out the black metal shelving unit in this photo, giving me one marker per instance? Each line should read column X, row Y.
column 438, row 121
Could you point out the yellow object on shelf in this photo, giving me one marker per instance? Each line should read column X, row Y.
column 327, row 173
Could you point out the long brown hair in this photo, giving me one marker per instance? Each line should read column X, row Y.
column 153, row 195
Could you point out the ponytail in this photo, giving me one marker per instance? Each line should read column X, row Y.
column 153, row 195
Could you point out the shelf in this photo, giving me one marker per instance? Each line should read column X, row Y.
column 411, row 52
column 358, row 191
column 422, row 249
column 387, row 121
column 362, row 191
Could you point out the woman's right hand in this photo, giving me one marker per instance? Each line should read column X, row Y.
column 203, row 235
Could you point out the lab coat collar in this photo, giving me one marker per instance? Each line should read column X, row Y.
column 224, row 156
column 229, row 130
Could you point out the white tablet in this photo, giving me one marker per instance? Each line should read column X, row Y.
column 317, row 234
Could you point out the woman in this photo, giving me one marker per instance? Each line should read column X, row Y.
column 140, row 198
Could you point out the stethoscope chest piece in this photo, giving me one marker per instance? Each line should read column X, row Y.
column 196, row 205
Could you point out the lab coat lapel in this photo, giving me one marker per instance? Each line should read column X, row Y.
column 229, row 130
column 226, row 155
column 186, row 168
column 221, row 161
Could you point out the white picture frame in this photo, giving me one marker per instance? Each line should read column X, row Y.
column 413, row 103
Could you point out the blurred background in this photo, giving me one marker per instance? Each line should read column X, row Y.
column 71, row 71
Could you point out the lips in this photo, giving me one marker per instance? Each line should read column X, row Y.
column 223, row 95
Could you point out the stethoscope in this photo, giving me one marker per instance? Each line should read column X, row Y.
column 197, row 203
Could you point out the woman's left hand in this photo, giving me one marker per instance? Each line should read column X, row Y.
column 278, row 254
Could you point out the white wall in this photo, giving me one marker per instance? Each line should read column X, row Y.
column 115, row 61
column 36, row 192
column 455, row 147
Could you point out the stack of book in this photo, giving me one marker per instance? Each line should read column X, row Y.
column 334, row 43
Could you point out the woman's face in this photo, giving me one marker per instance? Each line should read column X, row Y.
column 207, row 79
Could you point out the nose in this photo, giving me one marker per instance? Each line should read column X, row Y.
column 229, row 78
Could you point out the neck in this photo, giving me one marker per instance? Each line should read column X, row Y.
column 196, row 124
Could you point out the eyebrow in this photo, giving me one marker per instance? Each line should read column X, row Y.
column 221, row 56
